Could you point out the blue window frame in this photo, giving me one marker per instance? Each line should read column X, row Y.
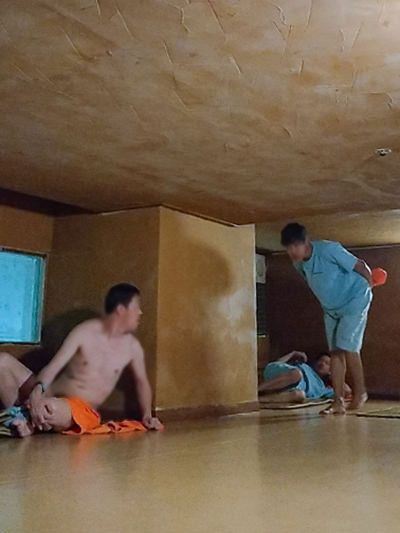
column 21, row 297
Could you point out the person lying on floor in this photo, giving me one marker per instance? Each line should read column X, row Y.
column 63, row 415
column 88, row 364
column 291, row 379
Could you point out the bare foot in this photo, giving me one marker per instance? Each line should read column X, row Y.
column 358, row 402
column 336, row 408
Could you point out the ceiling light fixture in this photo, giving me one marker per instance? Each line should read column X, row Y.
column 383, row 151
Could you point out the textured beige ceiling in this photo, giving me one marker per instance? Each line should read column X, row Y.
column 236, row 109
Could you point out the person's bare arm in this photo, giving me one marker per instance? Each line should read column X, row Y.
column 294, row 356
column 363, row 269
column 143, row 388
column 47, row 375
column 68, row 349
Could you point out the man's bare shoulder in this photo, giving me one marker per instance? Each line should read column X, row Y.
column 94, row 325
column 136, row 348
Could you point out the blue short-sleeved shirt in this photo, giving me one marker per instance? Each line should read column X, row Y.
column 312, row 384
column 331, row 276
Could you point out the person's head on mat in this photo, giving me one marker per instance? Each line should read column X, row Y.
column 322, row 366
column 122, row 306
column 71, row 416
column 295, row 239
column 58, row 418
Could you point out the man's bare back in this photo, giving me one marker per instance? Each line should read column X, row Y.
column 95, row 368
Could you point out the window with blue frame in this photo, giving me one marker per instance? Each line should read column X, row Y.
column 21, row 297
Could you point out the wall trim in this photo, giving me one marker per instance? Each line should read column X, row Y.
column 38, row 204
column 351, row 247
column 171, row 208
column 390, row 395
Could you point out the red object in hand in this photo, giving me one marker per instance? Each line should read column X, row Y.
column 379, row 276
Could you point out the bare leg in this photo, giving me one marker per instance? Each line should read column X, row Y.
column 12, row 375
column 289, row 396
column 338, row 368
column 280, row 382
column 360, row 394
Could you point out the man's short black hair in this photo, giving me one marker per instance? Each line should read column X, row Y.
column 293, row 233
column 121, row 294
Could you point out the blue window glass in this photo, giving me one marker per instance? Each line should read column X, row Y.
column 21, row 297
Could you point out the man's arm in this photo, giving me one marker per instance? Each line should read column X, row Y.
column 294, row 356
column 138, row 369
column 68, row 349
column 49, row 373
column 349, row 262
column 363, row 269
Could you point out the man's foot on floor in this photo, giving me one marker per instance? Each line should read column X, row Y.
column 336, row 408
column 357, row 402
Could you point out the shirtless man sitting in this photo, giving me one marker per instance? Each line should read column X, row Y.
column 88, row 364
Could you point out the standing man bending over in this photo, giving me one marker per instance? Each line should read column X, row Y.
column 342, row 283
column 89, row 363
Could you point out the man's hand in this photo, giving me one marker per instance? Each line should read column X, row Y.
column 143, row 389
column 294, row 356
column 299, row 356
column 363, row 269
column 37, row 411
column 151, row 422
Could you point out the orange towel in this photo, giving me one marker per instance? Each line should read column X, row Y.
column 87, row 420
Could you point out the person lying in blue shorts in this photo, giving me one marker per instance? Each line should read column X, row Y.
column 291, row 379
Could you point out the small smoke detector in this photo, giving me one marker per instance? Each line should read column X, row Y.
column 383, row 151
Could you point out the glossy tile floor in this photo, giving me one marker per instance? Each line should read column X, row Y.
column 268, row 472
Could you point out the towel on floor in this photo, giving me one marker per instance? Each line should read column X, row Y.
column 87, row 421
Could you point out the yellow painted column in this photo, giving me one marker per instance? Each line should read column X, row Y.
column 206, row 326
